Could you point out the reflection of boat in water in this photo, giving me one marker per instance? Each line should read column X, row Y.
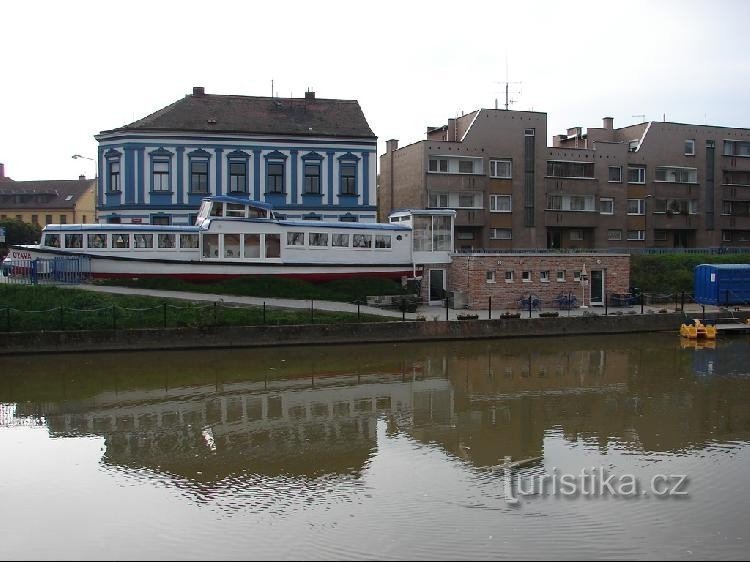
column 687, row 343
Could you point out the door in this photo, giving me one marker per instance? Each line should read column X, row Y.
column 597, row 287
column 437, row 285
column 554, row 239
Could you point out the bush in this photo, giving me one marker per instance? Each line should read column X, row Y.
column 673, row 273
column 510, row 315
column 468, row 316
column 19, row 232
column 549, row 314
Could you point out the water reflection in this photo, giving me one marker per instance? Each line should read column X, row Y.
column 207, row 416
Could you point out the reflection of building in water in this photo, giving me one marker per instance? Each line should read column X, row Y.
column 298, row 426
column 728, row 357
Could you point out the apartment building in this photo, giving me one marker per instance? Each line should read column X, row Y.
column 654, row 184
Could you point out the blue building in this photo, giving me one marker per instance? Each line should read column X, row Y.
column 310, row 158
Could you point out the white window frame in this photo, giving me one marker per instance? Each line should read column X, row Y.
column 690, row 152
column 641, row 207
column 641, row 174
column 640, row 236
column 490, row 276
column 611, row 238
column 494, row 207
column 494, row 234
column 494, row 165
column 561, row 276
column 526, row 276
column 438, row 170
column 544, row 276
column 579, row 235
column 619, row 170
column 509, row 276
column 611, row 202
column 439, row 197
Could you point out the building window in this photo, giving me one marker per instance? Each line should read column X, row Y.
column 736, row 148
column 689, row 147
column 501, row 234
column 561, row 276
column 348, row 217
column 465, row 167
column 526, row 276
column 614, row 234
column 500, row 169
column 465, row 235
column 726, row 235
column 238, row 177
column 114, row 220
column 439, row 165
column 676, row 175
column 63, row 219
column 199, row 176
column 615, row 174
column 636, row 235
column 114, row 176
column 636, row 206
column 563, row 169
column 466, row 200
column 312, row 178
column 348, row 175
column 529, row 132
column 35, row 219
column 660, row 235
column 676, row 206
column 607, row 206
column 571, row 203
column 544, row 276
column 636, row 174
column 500, row 203
column 163, row 220
column 509, row 277
column 576, row 235
column 736, row 177
column 490, row 276
column 160, row 175
column 577, row 276
column 438, row 200
column 633, row 145
column 275, row 178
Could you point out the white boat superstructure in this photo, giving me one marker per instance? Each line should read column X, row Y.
column 234, row 237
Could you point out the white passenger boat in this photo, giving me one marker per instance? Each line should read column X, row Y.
column 235, row 237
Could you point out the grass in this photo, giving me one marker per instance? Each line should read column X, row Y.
column 341, row 290
column 673, row 273
column 25, row 308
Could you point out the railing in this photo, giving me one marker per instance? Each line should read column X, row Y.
column 61, row 270
column 648, row 251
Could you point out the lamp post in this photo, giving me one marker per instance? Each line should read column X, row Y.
column 584, row 282
column 96, row 167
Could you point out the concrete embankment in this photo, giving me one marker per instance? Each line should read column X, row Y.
column 318, row 334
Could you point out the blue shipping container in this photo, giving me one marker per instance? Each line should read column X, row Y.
column 722, row 284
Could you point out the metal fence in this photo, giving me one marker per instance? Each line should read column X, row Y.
column 60, row 270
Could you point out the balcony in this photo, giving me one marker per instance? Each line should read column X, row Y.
column 455, row 182
column 673, row 221
column 573, row 219
column 470, row 217
column 739, row 222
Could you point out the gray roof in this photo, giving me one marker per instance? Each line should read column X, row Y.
column 47, row 194
column 259, row 115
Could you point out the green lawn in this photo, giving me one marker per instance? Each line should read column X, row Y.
column 37, row 308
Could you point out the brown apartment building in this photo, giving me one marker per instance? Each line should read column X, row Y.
column 654, row 184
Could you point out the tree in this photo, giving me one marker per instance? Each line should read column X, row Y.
column 19, row 232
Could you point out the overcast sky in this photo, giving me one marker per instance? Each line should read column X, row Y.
column 71, row 69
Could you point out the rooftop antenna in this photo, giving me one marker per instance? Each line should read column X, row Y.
column 271, row 87
column 507, row 83
column 641, row 115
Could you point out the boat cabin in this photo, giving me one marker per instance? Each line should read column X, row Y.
column 432, row 233
column 233, row 208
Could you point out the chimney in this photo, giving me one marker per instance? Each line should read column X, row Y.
column 575, row 131
column 608, row 123
column 391, row 145
column 309, row 95
column 199, row 91
column 81, row 178
column 2, row 171
column 557, row 140
column 452, row 130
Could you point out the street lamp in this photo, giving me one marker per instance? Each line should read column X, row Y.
column 96, row 167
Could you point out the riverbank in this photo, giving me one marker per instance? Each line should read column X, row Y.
column 209, row 337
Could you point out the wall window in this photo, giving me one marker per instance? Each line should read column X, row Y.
column 348, row 217
column 615, row 174
column 312, row 178
column 614, row 234
column 571, row 203
column 47, row 219
column 501, row 234
column 563, row 169
column 63, row 219
column 275, row 177
column 238, row 177
column 544, row 276
column 577, row 276
column 164, row 220
column 501, row 169
column 689, row 147
column 509, row 277
column 736, row 208
column 636, row 235
column 199, row 176
column 676, row 175
column 114, row 176
column 561, row 276
column 636, row 206
column 736, row 148
column 607, row 206
column 576, row 235
column 490, row 276
column 526, row 276
column 465, row 167
column 160, row 175
column 348, row 175
column 439, row 165
column 438, row 200
column 636, row 174
column 660, row 235
column 466, row 200
column 726, row 235
column 676, row 206
column 736, row 177
column 500, row 203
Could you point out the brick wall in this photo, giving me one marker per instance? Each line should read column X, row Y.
column 468, row 274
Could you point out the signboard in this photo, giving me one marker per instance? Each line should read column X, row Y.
column 137, row 221
column 2, row 235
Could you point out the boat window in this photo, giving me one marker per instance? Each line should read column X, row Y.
column 255, row 213
column 318, row 239
column 441, row 234
column 52, row 240
column 210, row 245
column 362, row 240
column 97, row 241
column 121, row 240
column 295, row 238
column 167, row 241
column 74, row 240
column 235, row 210
column 252, row 246
column 273, row 245
column 341, row 240
column 395, row 219
column 188, row 241
column 217, row 209
column 231, row 245
column 143, row 240
column 382, row 241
